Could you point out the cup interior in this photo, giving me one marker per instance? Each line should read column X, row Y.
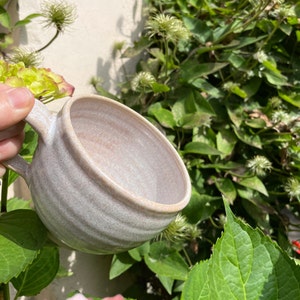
column 128, row 150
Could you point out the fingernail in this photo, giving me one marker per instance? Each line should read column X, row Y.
column 19, row 98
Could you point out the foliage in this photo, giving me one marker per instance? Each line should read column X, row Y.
column 27, row 259
column 221, row 80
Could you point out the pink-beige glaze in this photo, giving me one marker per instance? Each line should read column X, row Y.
column 103, row 178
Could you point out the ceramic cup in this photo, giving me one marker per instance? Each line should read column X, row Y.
column 103, row 179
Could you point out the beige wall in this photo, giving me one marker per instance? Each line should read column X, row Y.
column 82, row 52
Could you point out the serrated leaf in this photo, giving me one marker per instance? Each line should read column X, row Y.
column 39, row 274
column 17, row 203
column 13, row 259
column 254, row 183
column 24, row 228
column 245, row 264
column 166, row 261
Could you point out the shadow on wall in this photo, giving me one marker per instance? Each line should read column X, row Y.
column 123, row 66
column 96, row 269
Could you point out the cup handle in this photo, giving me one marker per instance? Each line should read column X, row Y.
column 41, row 119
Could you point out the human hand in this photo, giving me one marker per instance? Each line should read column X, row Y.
column 15, row 104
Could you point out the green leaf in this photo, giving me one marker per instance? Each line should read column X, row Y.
column 201, row 207
column 198, row 28
column 292, row 98
column 250, row 139
column 163, row 115
column 4, row 18
column 275, row 78
column 227, row 188
column 17, row 203
column 254, row 183
column 139, row 46
column 235, row 89
column 166, row 261
column 192, row 70
column 139, row 252
column 201, row 148
column 226, row 141
column 245, row 41
column 245, row 264
column 3, row 2
column 24, row 228
column 29, row 144
column 13, row 259
column 167, row 283
column 121, row 262
column 197, row 119
column 208, row 88
column 27, row 20
column 159, row 87
column 39, row 274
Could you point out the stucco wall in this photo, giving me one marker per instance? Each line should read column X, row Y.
column 84, row 51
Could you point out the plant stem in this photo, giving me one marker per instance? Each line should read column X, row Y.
column 50, row 42
column 4, row 190
column 4, row 291
column 4, row 287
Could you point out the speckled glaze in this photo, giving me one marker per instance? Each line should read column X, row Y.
column 103, row 179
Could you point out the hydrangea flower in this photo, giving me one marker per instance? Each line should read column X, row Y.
column 44, row 84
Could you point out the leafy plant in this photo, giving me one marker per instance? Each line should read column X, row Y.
column 221, row 80
column 27, row 258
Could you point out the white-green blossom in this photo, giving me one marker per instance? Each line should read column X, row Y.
column 280, row 116
column 58, row 14
column 29, row 58
column 261, row 56
column 292, row 187
column 259, row 165
column 142, row 81
column 168, row 27
column 179, row 230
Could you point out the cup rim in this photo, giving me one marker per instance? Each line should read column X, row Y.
column 85, row 159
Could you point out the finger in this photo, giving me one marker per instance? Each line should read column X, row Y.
column 15, row 104
column 10, row 147
column 4, row 87
column 12, row 131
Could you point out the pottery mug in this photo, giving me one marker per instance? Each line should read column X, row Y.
column 103, row 179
